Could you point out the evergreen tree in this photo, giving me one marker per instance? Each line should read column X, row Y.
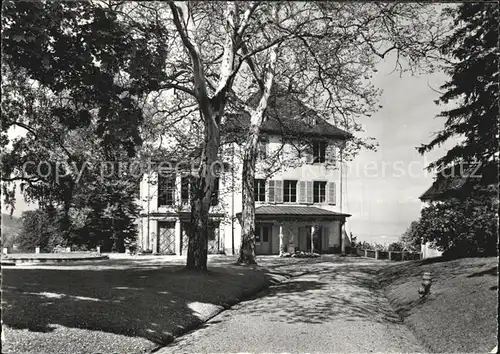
column 466, row 222
column 473, row 86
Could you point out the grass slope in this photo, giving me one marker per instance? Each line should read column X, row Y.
column 460, row 314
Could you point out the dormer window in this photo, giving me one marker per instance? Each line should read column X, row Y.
column 319, row 151
column 311, row 121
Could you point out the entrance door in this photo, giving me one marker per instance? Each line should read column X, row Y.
column 213, row 246
column 166, row 239
column 262, row 239
column 304, row 239
column 213, row 238
column 316, row 239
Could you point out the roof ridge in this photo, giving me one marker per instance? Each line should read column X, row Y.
column 285, row 115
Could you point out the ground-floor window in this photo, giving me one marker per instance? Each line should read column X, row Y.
column 261, row 234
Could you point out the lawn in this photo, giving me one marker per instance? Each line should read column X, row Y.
column 460, row 314
column 125, row 308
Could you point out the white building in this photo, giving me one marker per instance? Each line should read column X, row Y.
column 445, row 185
column 297, row 189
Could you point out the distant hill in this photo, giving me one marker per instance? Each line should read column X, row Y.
column 11, row 225
column 11, row 221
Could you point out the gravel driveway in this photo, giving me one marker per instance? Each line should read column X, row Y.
column 338, row 307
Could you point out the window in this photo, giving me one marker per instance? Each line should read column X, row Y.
column 187, row 185
column 319, row 151
column 311, row 121
column 265, row 234
column 262, row 149
column 290, row 191
column 259, row 189
column 166, row 188
column 215, row 193
column 261, row 234
column 319, row 192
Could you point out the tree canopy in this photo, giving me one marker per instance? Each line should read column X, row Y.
column 75, row 77
column 472, row 90
column 465, row 222
column 460, row 227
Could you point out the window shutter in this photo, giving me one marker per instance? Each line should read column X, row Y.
column 271, row 188
column 309, row 192
column 331, row 193
column 278, row 195
column 302, row 192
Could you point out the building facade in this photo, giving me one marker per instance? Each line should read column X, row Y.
column 297, row 193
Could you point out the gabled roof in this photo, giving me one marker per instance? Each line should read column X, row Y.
column 448, row 183
column 288, row 116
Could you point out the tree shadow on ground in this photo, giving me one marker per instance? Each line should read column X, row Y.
column 459, row 313
column 154, row 304
column 439, row 268
column 409, row 276
column 350, row 293
column 492, row 271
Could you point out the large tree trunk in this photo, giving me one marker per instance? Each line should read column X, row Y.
column 247, row 249
column 202, row 197
column 198, row 243
column 212, row 110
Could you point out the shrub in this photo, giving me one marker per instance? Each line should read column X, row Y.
column 461, row 227
column 370, row 246
column 396, row 246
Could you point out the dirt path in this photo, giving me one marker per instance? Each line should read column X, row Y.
column 336, row 308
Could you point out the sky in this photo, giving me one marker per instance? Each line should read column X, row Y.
column 381, row 188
